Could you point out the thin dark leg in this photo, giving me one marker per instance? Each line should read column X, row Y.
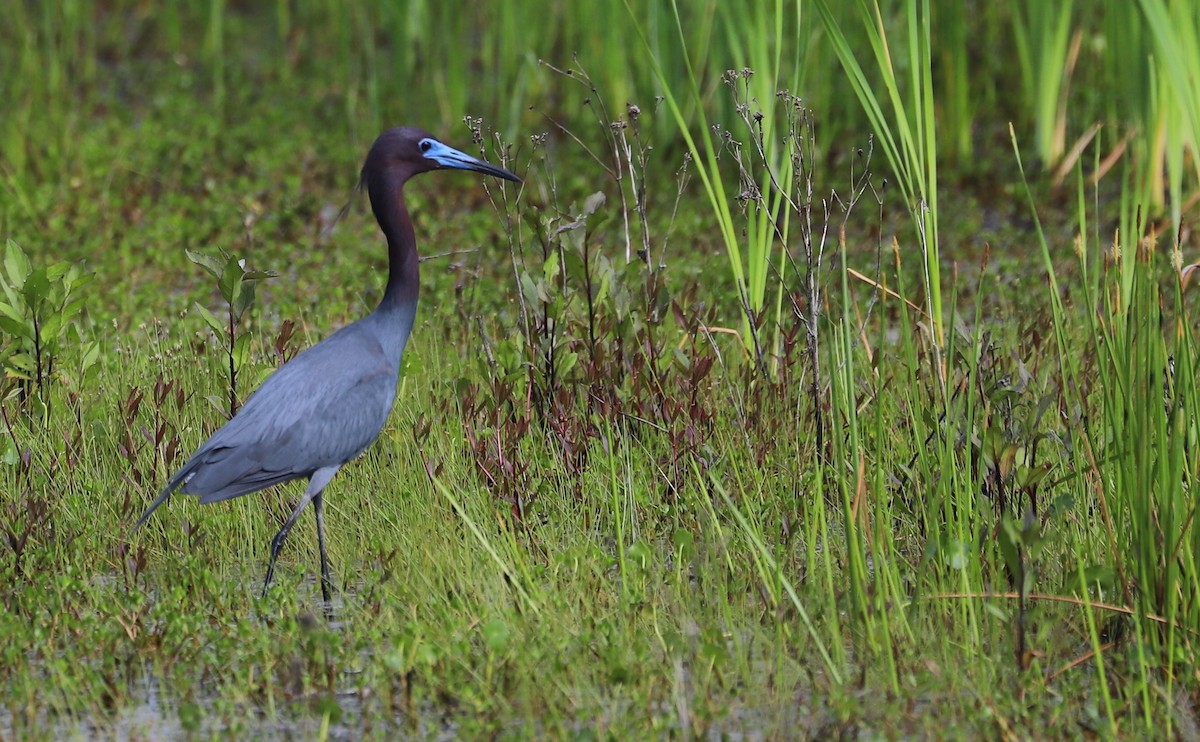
column 326, row 583
column 277, row 542
column 316, row 484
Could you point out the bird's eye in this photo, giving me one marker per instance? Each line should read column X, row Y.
column 426, row 145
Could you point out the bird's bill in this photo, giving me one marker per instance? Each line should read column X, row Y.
column 450, row 157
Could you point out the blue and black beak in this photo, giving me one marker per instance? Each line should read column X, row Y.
column 449, row 157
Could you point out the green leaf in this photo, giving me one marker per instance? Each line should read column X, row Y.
column 219, row 403
column 550, row 269
column 714, row 651
column 75, row 282
column 641, row 554
column 573, row 238
column 566, row 363
column 73, row 308
column 16, row 263
column 1009, row 539
column 17, row 328
column 684, row 541
column 1099, row 577
column 496, row 635
column 1008, row 458
column 604, row 269
column 241, row 350
column 50, row 328
column 91, row 354
column 425, row 654
column 243, row 301
column 10, row 310
column 230, row 281
column 411, row 363
column 217, row 326
column 36, row 288
column 1033, row 477
column 997, row 611
column 956, row 554
column 593, row 202
column 23, row 362
column 528, row 287
column 40, row 409
column 210, row 264
column 56, row 271
column 576, row 270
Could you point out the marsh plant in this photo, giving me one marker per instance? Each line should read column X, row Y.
column 796, row 394
column 237, row 286
column 42, row 314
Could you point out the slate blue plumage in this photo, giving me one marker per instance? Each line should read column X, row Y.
column 328, row 404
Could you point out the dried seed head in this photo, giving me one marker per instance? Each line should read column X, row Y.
column 476, row 127
column 1149, row 245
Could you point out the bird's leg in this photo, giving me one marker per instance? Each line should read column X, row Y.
column 326, row 583
column 316, row 484
column 277, row 542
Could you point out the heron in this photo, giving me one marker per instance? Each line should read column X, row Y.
column 327, row 405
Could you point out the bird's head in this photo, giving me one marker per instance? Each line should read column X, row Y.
column 406, row 151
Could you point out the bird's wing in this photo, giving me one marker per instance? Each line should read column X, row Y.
column 321, row 409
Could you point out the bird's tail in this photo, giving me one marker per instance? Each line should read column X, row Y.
column 162, row 497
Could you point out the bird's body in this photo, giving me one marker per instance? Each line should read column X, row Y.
column 329, row 403
column 271, row 441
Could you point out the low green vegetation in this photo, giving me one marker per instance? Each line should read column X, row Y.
column 707, row 429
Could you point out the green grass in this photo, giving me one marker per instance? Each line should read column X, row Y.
column 607, row 504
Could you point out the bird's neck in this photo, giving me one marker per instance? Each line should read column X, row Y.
column 404, row 277
column 393, row 319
